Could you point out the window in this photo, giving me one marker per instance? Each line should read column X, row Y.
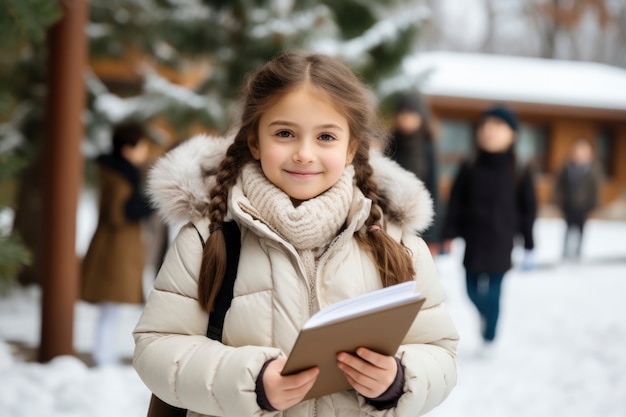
column 605, row 146
column 531, row 146
column 454, row 146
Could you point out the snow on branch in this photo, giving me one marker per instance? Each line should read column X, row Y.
column 157, row 93
column 384, row 31
column 291, row 25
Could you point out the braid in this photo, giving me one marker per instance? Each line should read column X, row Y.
column 213, row 267
column 393, row 260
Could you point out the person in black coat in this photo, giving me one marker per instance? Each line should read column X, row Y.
column 412, row 146
column 492, row 200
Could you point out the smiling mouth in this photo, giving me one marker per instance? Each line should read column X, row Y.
column 301, row 174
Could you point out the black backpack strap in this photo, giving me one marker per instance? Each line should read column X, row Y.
column 232, row 236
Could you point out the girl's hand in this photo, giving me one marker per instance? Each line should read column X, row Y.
column 369, row 373
column 285, row 391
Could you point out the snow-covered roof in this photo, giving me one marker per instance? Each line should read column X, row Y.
column 518, row 79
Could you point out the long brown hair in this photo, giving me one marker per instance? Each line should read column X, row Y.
column 350, row 98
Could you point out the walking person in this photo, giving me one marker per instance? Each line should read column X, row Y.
column 112, row 269
column 492, row 200
column 321, row 220
column 577, row 193
column 413, row 146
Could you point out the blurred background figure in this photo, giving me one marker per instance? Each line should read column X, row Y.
column 413, row 146
column 492, row 200
column 577, row 193
column 113, row 266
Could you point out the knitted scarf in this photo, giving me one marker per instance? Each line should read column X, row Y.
column 311, row 226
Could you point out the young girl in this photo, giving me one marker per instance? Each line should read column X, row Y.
column 491, row 202
column 321, row 220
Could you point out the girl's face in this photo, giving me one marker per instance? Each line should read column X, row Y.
column 495, row 135
column 303, row 143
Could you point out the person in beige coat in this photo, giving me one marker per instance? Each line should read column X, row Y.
column 112, row 268
column 318, row 212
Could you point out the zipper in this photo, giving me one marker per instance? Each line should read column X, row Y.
column 320, row 266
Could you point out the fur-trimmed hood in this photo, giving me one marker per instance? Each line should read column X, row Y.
column 180, row 181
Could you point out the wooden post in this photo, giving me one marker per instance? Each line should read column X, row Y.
column 67, row 49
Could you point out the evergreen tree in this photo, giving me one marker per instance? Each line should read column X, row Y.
column 23, row 25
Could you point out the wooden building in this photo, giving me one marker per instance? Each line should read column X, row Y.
column 556, row 101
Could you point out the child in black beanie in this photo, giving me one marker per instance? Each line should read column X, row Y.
column 491, row 202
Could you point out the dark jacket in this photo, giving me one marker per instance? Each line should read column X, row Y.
column 416, row 153
column 490, row 203
column 113, row 265
column 577, row 188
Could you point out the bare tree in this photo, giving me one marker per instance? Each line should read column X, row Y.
column 577, row 29
column 490, row 33
column 586, row 30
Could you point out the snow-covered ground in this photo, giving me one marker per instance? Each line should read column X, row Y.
column 561, row 348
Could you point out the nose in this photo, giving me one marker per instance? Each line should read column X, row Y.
column 304, row 151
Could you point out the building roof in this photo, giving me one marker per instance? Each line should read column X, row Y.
column 519, row 79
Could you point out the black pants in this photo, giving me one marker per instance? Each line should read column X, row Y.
column 575, row 224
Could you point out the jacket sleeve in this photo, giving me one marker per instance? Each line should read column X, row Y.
column 428, row 352
column 527, row 207
column 175, row 359
column 558, row 192
column 454, row 223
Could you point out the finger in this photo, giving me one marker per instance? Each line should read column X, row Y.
column 366, row 378
column 292, row 381
column 286, row 391
column 372, row 357
column 363, row 389
column 355, row 363
column 301, row 379
column 294, row 396
column 357, row 370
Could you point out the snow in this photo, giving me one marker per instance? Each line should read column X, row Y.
column 384, row 31
column 287, row 25
column 508, row 78
column 559, row 351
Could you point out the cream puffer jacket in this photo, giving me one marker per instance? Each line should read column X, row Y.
column 271, row 298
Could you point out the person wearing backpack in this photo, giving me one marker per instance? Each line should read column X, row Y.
column 321, row 219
